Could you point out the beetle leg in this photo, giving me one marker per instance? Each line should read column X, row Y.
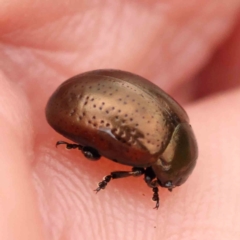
column 70, row 145
column 119, row 174
column 103, row 183
column 91, row 153
column 149, row 179
column 88, row 152
column 149, row 176
column 136, row 172
column 155, row 197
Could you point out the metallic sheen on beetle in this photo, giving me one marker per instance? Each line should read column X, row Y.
column 127, row 119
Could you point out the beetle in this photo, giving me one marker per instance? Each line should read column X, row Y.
column 129, row 120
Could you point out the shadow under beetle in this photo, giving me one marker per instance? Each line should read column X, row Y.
column 127, row 119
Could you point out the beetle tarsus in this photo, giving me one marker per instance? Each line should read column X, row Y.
column 155, row 197
column 103, row 183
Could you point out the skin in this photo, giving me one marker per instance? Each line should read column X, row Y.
column 190, row 50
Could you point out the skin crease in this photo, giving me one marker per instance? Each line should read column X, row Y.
column 190, row 50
